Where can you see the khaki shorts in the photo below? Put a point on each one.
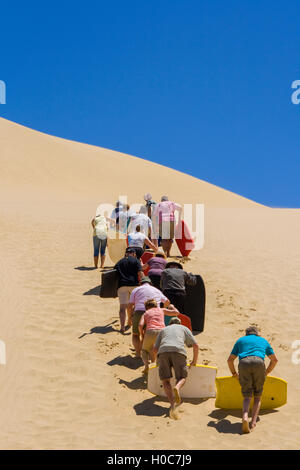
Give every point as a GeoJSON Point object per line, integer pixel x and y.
{"type": "Point", "coordinates": [252, 376]}
{"type": "Point", "coordinates": [124, 293]}
{"type": "Point", "coordinates": [167, 360]}
{"type": "Point", "coordinates": [137, 315]}
{"type": "Point", "coordinates": [149, 339]}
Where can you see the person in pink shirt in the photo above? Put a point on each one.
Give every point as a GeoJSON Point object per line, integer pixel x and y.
{"type": "Point", "coordinates": [136, 308]}
{"type": "Point", "coordinates": [151, 323]}
{"type": "Point", "coordinates": [164, 214]}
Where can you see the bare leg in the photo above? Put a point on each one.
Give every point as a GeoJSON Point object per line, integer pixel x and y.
{"type": "Point", "coordinates": [152, 355]}
{"type": "Point", "coordinates": [245, 419]}
{"type": "Point", "coordinates": [96, 261]}
{"type": "Point", "coordinates": [177, 388]}
{"type": "Point", "coordinates": [166, 245]}
{"type": "Point", "coordinates": [169, 392]}
{"type": "Point", "coordinates": [102, 261]}
{"type": "Point", "coordinates": [122, 314]}
{"type": "Point", "coordinates": [145, 357]}
{"type": "Point", "coordinates": [255, 411]}
{"type": "Point", "coordinates": [137, 344]}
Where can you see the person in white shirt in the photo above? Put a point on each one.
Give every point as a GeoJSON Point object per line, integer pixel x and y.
{"type": "Point", "coordinates": [142, 220]}
{"type": "Point", "coordinates": [125, 216]}
{"type": "Point", "coordinates": [137, 241]}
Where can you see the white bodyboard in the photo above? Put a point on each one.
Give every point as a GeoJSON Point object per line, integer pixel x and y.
{"type": "Point", "coordinates": [116, 244]}
{"type": "Point", "coordinates": [200, 382]}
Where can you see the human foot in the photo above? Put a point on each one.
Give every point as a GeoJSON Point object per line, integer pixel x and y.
{"type": "Point", "coordinates": [245, 427]}
{"type": "Point", "coordinates": [177, 396]}
{"type": "Point", "coordinates": [173, 414]}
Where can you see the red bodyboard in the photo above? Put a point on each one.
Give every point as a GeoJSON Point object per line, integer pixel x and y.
{"type": "Point", "coordinates": [185, 320]}
{"type": "Point", "coordinates": [145, 257]}
{"type": "Point", "coordinates": [184, 238]}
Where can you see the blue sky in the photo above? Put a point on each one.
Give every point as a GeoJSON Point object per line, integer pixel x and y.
{"type": "Point", "coordinates": [200, 86]}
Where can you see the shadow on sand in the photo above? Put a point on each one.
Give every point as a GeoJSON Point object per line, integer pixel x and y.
{"type": "Point", "coordinates": [93, 291]}
{"type": "Point", "coordinates": [127, 361]}
{"type": "Point", "coordinates": [225, 426]}
{"type": "Point", "coordinates": [85, 268]}
{"type": "Point", "coordinates": [139, 383]}
{"type": "Point", "coordinates": [150, 407]}
{"type": "Point", "coordinates": [101, 330]}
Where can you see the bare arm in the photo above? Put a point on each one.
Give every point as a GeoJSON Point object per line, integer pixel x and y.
{"type": "Point", "coordinates": [93, 223]}
{"type": "Point", "coordinates": [130, 309]}
{"type": "Point", "coordinates": [273, 362]}
{"type": "Point", "coordinates": [195, 355]}
{"type": "Point", "coordinates": [149, 243]}
{"type": "Point", "coordinates": [141, 326]}
{"type": "Point", "coordinates": [112, 221]}
{"type": "Point", "coordinates": [230, 362]}
{"type": "Point", "coordinates": [171, 311]}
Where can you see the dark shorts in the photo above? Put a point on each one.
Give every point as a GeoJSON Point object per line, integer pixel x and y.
{"type": "Point", "coordinates": [252, 376]}
{"type": "Point", "coordinates": [166, 361]}
{"type": "Point", "coordinates": [176, 297]}
{"type": "Point", "coordinates": [155, 279]}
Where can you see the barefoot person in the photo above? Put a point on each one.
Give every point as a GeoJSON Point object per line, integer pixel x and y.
{"type": "Point", "coordinates": [130, 273]}
{"type": "Point", "coordinates": [137, 240]}
{"type": "Point", "coordinates": [100, 227]}
{"type": "Point", "coordinates": [151, 323]}
{"type": "Point", "coordinates": [173, 282]}
{"type": "Point", "coordinates": [170, 349]}
{"type": "Point", "coordinates": [136, 308]}
{"type": "Point", "coordinates": [251, 350]}
{"type": "Point", "coordinates": [164, 213]}
{"type": "Point", "coordinates": [156, 265]}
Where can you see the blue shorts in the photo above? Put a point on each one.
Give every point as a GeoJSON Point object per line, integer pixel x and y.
{"type": "Point", "coordinates": [99, 245]}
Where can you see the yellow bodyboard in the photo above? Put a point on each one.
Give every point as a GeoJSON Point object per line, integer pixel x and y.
{"type": "Point", "coordinates": [229, 393]}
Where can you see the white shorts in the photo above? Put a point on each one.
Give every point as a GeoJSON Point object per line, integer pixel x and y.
{"type": "Point", "coordinates": [124, 293]}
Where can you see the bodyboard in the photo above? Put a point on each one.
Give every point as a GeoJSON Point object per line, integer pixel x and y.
{"type": "Point", "coordinates": [145, 257]}
{"type": "Point", "coordinates": [229, 395]}
{"type": "Point", "coordinates": [109, 284]}
{"type": "Point", "coordinates": [116, 245]}
{"type": "Point", "coordinates": [194, 306]}
{"type": "Point", "coordinates": [185, 320]}
{"type": "Point", "coordinates": [184, 238]}
{"type": "Point", "coordinates": [200, 382]}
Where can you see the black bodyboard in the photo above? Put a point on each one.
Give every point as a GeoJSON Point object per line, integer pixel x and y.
{"type": "Point", "coordinates": [109, 284]}
{"type": "Point", "coordinates": [194, 306]}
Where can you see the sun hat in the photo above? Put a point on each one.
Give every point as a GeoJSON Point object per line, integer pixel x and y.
{"type": "Point", "coordinates": [130, 249]}
{"type": "Point", "coordinates": [160, 252]}
{"type": "Point", "coordinates": [171, 263]}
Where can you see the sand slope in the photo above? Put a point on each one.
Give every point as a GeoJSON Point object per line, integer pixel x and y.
{"type": "Point", "coordinates": [71, 381]}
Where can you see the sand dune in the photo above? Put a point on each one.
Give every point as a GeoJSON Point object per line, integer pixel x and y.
{"type": "Point", "coordinates": [71, 381]}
